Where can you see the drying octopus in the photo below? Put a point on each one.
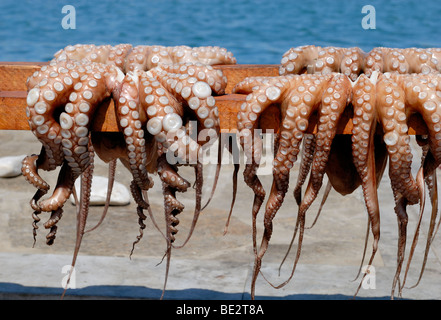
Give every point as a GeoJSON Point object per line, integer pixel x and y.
{"type": "Point", "coordinates": [166, 117]}
{"type": "Point", "coordinates": [354, 61]}
{"type": "Point", "coordinates": [382, 103]}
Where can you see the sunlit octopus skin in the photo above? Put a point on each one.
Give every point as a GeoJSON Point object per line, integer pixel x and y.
{"type": "Point", "coordinates": [143, 57]}
{"type": "Point", "coordinates": [354, 61]}
{"type": "Point", "coordinates": [190, 85]}
{"type": "Point", "coordinates": [62, 99]}
{"type": "Point", "coordinates": [149, 57]}
{"type": "Point", "coordinates": [403, 61]}
{"type": "Point", "coordinates": [128, 58]}
{"type": "Point", "coordinates": [155, 101]}
{"type": "Point", "coordinates": [298, 97]}
{"type": "Point", "coordinates": [107, 54]}
{"type": "Point", "coordinates": [323, 60]}
{"type": "Point", "coordinates": [134, 60]}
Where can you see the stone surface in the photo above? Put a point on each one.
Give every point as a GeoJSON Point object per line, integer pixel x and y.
{"type": "Point", "coordinates": [10, 166]}
{"type": "Point", "coordinates": [120, 193]}
{"type": "Point", "coordinates": [211, 265]}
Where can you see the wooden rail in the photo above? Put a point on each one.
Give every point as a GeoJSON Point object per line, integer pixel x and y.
{"type": "Point", "coordinates": [13, 94]}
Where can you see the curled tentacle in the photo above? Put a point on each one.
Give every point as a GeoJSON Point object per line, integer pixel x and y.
{"type": "Point", "coordinates": [141, 205]}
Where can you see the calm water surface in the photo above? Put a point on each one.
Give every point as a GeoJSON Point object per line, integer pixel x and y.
{"type": "Point", "coordinates": [255, 31]}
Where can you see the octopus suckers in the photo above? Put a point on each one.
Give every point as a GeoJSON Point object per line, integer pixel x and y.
{"type": "Point", "coordinates": [273, 93]}
{"type": "Point", "coordinates": [172, 122]}
{"type": "Point", "coordinates": [84, 107]}
{"type": "Point", "coordinates": [154, 126]}
{"type": "Point", "coordinates": [87, 94]}
{"type": "Point", "coordinates": [65, 121]}
{"type": "Point", "coordinates": [81, 131]}
{"type": "Point", "coordinates": [40, 107]}
{"type": "Point", "coordinates": [82, 119]}
{"type": "Point", "coordinates": [38, 120]}
{"type": "Point", "coordinates": [391, 138]}
{"type": "Point", "coordinates": [201, 90]}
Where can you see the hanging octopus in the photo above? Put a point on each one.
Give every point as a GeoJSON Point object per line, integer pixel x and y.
{"type": "Point", "coordinates": [61, 101]}
{"type": "Point", "coordinates": [167, 113]}
{"type": "Point", "coordinates": [387, 99]}
{"type": "Point", "coordinates": [298, 97]}
{"type": "Point", "coordinates": [163, 101]}
{"type": "Point", "coordinates": [401, 61]}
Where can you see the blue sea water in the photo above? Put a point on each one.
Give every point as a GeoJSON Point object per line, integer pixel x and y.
{"type": "Point", "coordinates": [258, 31]}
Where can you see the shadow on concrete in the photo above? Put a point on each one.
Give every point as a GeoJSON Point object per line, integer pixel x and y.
{"type": "Point", "coordinates": [17, 291]}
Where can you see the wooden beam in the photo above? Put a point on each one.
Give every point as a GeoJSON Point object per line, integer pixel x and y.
{"type": "Point", "coordinates": [13, 77]}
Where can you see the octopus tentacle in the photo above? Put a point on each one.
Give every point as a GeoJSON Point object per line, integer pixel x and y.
{"type": "Point", "coordinates": [391, 106]}
{"type": "Point", "coordinates": [106, 54]}
{"type": "Point", "coordinates": [257, 101]}
{"type": "Point", "coordinates": [63, 133]}
{"type": "Point", "coordinates": [363, 149]}
{"type": "Point", "coordinates": [233, 149]}
{"type": "Point", "coordinates": [334, 100]}
{"type": "Point", "coordinates": [111, 181]}
{"type": "Point", "coordinates": [62, 191]}
{"type": "Point", "coordinates": [309, 142]}
{"type": "Point", "coordinates": [130, 120]}
{"type": "Point", "coordinates": [53, 125]}
{"type": "Point", "coordinates": [431, 182]}
{"type": "Point", "coordinates": [86, 184]}
{"type": "Point", "coordinates": [141, 205]}
{"type": "Point", "coordinates": [325, 197]}
{"type": "Point", "coordinates": [165, 123]}
{"type": "Point", "coordinates": [403, 61]}
{"type": "Point", "coordinates": [172, 208]}
{"type": "Point", "coordinates": [30, 173]}
{"type": "Point", "coordinates": [296, 105]}
{"type": "Point", "coordinates": [353, 61]}
{"type": "Point", "coordinates": [194, 85]}
{"type": "Point", "coordinates": [322, 203]}
{"type": "Point", "coordinates": [149, 57]}
{"type": "Point", "coordinates": [198, 203]}
{"type": "Point", "coordinates": [323, 60]}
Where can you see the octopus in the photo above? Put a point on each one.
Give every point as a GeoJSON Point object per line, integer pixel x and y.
{"type": "Point", "coordinates": [353, 61]}
{"type": "Point", "coordinates": [143, 57]}
{"type": "Point", "coordinates": [382, 104]}
{"type": "Point", "coordinates": [166, 117]}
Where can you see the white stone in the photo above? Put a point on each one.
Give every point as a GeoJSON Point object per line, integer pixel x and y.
{"type": "Point", "coordinates": [11, 166]}
{"type": "Point", "coordinates": [120, 193]}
